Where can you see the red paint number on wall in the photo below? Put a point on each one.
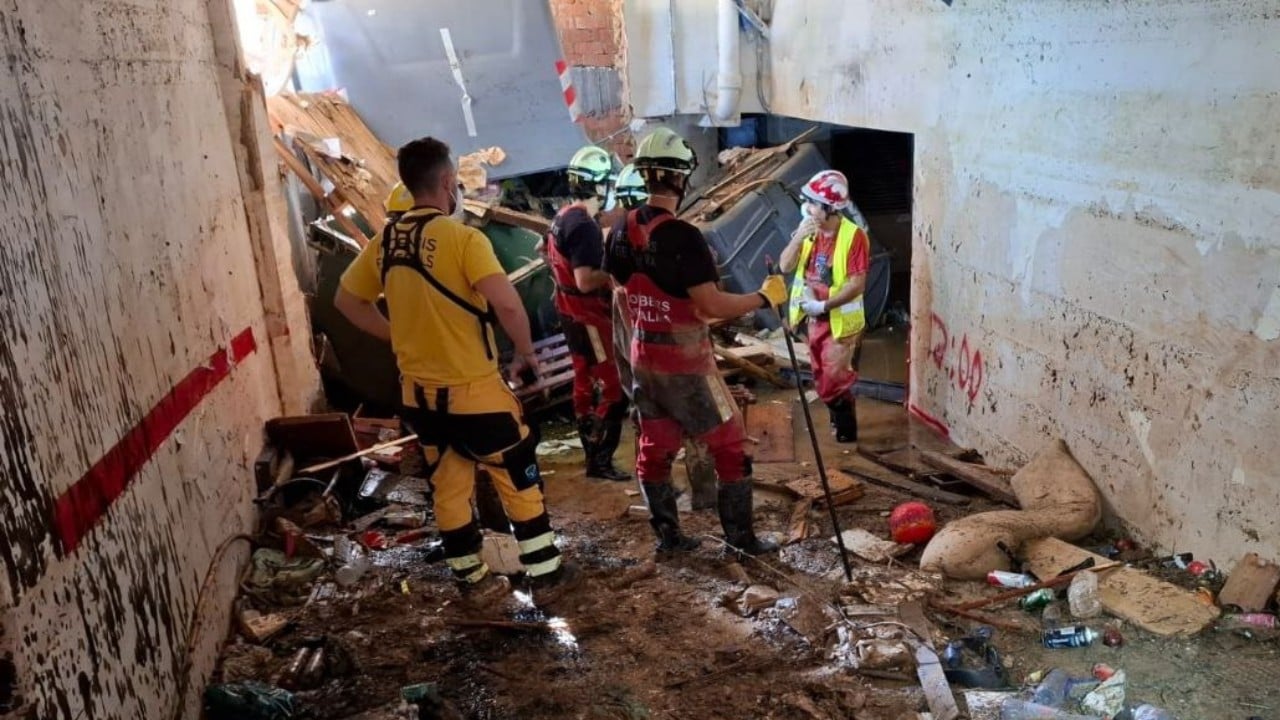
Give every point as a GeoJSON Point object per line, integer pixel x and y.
{"type": "Point", "coordinates": [962, 366]}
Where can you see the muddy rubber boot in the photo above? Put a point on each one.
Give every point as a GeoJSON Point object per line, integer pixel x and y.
{"type": "Point", "coordinates": [610, 435]}
{"type": "Point", "coordinates": [736, 503]}
{"type": "Point", "coordinates": [589, 433]}
{"type": "Point", "coordinates": [490, 595]}
{"type": "Point", "coordinates": [665, 519]}
{"type": "Point", "coordinates": [551, 591]}
{"type": "Point", "coordinates": [845, 420]}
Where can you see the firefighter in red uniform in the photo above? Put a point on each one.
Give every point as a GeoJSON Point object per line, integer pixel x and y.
{"type": "Point", "coordinates": [830, 255]}
{"type": "Point", "coordinates": [670, 278]}
{"type": "Point", "coordinates": [575, 252]}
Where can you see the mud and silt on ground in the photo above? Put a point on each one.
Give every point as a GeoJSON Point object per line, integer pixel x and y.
{"type": "Point", "coordinates": [673, 644]}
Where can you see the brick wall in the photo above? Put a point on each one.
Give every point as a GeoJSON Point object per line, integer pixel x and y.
{"type": "Point", "coordinates": [589, 35]}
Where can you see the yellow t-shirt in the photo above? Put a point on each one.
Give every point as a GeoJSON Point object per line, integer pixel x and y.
{"type": "Point", "coordinates": [436, 342]}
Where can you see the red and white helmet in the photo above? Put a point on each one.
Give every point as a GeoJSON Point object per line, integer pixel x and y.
{"type": "Point", "coordinates": [830, 188]}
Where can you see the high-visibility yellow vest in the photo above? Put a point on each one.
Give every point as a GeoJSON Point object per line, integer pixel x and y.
{"type": "Point", "coordinates": [848, 319]}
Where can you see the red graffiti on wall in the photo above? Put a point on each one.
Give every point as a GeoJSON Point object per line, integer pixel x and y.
{"type": "Point", "coordinates": [962, 366]}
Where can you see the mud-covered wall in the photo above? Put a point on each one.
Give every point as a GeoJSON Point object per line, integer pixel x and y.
{"type": "Point", "coordinates": [136, 363]}
{"type": "Point", "coordinates": [1097, 254]}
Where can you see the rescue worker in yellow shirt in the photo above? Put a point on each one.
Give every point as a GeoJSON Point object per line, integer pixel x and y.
{"type": "Point", "coordinates": [445, 291]}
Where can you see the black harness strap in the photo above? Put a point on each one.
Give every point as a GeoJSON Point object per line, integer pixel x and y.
{"type": "Point", "coordinates": [403, 248]}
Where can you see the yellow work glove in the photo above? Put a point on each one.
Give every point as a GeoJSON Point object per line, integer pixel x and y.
{"type": "Point", "coordinates": [773, 290]}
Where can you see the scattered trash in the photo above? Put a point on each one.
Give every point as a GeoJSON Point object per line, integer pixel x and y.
{"type": "Point", "coordinates": [1261, 620]}
{"type": "Point", "coordinates": [881, 655]}
{"type": "Point", "coordinates": [985, 704]}
{"type": "Point", "coordinates": [404, 518]}
{"type": "Point", "coordinates": [1108, 698]}
{"type": "Point", "coordinates": [1072, 636]}
{"type": "Point", "coordinates": [1111, 637]}
{"type": "Point", "coordinates": [1103, 672]}
{"type": "Point", "coordinates": [428, 701]}
{"type": "Point", "coordinates": [754, 599]}
{"type": "Point", "coordinates": [912, 523]}
{"type": "Point", "coordinates": [871, 548]}
{"type": "Point", "coordinates": [1177, 560]}
{"type": "Point", "coordinates": [1000, 578]}
{"type": "Point", "coordinates": [1016, 709]}
{"type": "Point", "coordinates": [1198, 567]}
{"type": "Point", "coordinates": [1151, 712]}
{"type": "Point", "coordinates": [260, 628]}
{"type": "Point", "coordinates": [355, 562]}
{"type": "Point", "coordinates": [248, 700]}
{"type": "Point", "coordinates": [1082, 596]}
{"type": "Point", "coordinates": [547, 448]}
{"type": "Point", "coordinates": [1036, 600]}
{"type": "Point", "coordinates": [243, 661]}
{"type": "Point", "coordinates": [1205, 595]}
{"type": "Point", "coordinates": [1051, 617]}
{"type": "Point", "coordinates": [295, 541]}
{"type": "Point", "coordinates": [279, 579]}
{"type": "Point", "coordinates": [374, 540]}
{"type": "Point", "coordinates": [1052, 690]}
{"type": "Point", "coordinates": [987, 671]}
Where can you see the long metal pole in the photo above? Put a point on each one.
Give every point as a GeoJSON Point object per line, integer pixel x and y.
{"type": "Point", "coordinates": [813, 438]}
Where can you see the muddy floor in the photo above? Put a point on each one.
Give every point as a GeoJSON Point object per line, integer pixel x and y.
{"type": "Point", "coordinates": [673, 644]}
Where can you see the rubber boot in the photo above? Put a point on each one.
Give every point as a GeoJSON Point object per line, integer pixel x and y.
{"type": "Point", "coordinates": [490, 595]}
{"type": "Point", "coordinates": [736, 502]}
{"type": "Point", "coordinates": [551, 592]}
{"type": "Point", "coordinates": [845, 420]}
{"type": "Point", "coordinates": [665, 519]}
{"type": "Point", "coordinates": [600, 465]}
{"type": "Point", "coordinates": [589, 433]}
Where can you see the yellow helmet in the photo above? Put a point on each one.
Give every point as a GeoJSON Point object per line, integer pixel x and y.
{"type": "Point", "coordinates": [399, 200]}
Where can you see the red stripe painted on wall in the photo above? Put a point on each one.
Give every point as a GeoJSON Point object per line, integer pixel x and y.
{"type": "Point", "coordinates": [78, 509]}
{"type": "Point", "coordinates": [934, 423]}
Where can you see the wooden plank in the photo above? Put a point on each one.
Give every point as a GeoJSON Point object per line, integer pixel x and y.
{"type": "Point", "coordinates": [355, 455]}
{"type": "Point", "coordinates": [526, 271]}
{"type": "Point", "coordinates": [993, 486]}
{"type": "Point", "coordinates": [933, 680]}
{"type": "Point", "coordinates": [798, 525]}
{"type": "Point", "coordinates": [770, 425]}
{"type": "Point", "coordinates": [1151, 604]}
{"type": "Point", "coordinates": [751, 369]}
{"type": "Point", "coordinates": [313, 186]}
{"type": "Point", "coordinates": [883, 476]}
{"type": "Point", "coordinates": [903, 460]}
{"type": "Point", "coordinates": [312, 436]}
{"type": "Point", "coordinates": [1251, 584]}
{"type": "Point", "coordinates": [844, 489]}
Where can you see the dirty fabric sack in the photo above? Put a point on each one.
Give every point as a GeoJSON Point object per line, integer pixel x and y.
{"type": "Point", "coordinates": [1058, 499]}
{"type": "Point", "coordinates": [281, 580]}
{"type": "Point", "coordinates": [248, 701]}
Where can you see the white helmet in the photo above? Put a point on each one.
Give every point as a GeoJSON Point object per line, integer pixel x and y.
{"type": "Point", "coordinates": [829, 188]}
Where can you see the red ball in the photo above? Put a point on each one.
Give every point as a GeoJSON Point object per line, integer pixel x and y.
{"type": "Point", "coordinates": [911, 523]}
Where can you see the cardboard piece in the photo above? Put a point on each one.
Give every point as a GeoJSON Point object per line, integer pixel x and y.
{"type": "Point", "coordinates": [771, 426]}
{"type": "Point", "coordinates": [1130, 594]}
{"type": "Point", "coordinates": [1251, 584]}
{"type": "Point", "coordinates": [871, 548]}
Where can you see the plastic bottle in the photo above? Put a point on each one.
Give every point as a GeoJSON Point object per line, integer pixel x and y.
{"type": "Point", "coordinates": [1051, 618]}
{"type": "Point", "coordinates": [1052, 691]}
{"type": "Point", "coordinates": [1082, 596]}
{"type": "Point", "coordinates": [355, 562]}
{"type": "Point", "coordinates": [1071, 636]}
{"type": "Point", "coordinates": [1151, 712]}
{"type": "Point", "coordinates": [1015, 709]}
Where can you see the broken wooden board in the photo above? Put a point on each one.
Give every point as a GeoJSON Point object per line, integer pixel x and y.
{"type": "Point", "coordinates": [365, 170]}
{"type": "Point", "coordinates": [798, 525]}
{"type": "Point", "coordinates": [883, 476]}
{"type": "Point", "coordinates": [844, 489]}
{"type": "Point", "coordinates": [871, 548]}
{"type": "Point", "coordinates": [903, 460]}
{"type": "Point", "coordinates": [1251, 584]}
{"type": "Point", "coordinates": [314, 436]}
{"type": "Point", "coordinates": [749, 368]}
{"type": "Point", "coordinates": [988, 483]}
{"type": "Point", "coordinates": [1130, 594]}
{"type": "Point", "coordinates": [770, 425]}
{"type": "Point", "coordinates": [933, 680]}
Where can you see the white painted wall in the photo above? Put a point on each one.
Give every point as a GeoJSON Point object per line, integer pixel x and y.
{"type": "Point", "coordinates": [1095, 229]}
{"type": "Point", "coordinates": [128, 259]}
